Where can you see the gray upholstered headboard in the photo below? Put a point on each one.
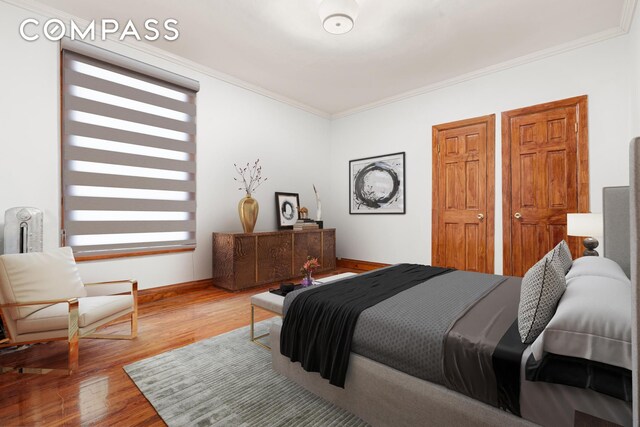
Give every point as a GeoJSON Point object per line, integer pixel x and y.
{"type": "Point", "coordinates": [634, 179]}
{"type": "Point", "coordinates": [615, 211]}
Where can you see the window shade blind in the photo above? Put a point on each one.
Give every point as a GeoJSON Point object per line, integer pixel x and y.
{"type": "Point", "coordinates": [128, 159]}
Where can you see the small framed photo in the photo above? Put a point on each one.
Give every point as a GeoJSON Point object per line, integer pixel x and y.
{"type": "Point", "coordinates": [377, 185]}
{"type": "Point", "coordinates": [287, 205]}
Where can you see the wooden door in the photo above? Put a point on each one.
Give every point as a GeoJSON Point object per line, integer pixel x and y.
{"type": "Point", "coordinates": [544, 156]}
{"type": "Point", "coordinates": [463, 194]}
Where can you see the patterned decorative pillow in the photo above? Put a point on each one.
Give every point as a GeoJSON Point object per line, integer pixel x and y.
{"type": "Point", "coordinates": [562, 253]}
{"type": "Point", "coordinates": [542, 287]}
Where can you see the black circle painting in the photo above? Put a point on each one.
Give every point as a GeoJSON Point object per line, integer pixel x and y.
{"type": "Point", "coordinates": [377, 184]}
{"type": "Point", "coordinates": [287, 210]}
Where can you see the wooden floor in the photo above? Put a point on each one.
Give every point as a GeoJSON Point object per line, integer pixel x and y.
{"type": "Point", "coordinates": [101, 393]}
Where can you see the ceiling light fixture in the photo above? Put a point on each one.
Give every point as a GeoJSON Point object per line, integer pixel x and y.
{"type": "Point", "coordinates": [338, 16]}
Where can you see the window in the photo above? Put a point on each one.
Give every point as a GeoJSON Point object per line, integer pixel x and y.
{"type": "Point", "coordinates": [128, 156]}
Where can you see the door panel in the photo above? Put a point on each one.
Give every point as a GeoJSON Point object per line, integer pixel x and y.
{"type": "Point", "coordinates": [540, 177]}
{"type": "Point", "coordinates": [472, 247]}
{"type": "Point", "coordinates": [556, 166]}
{"type": "Point", "coordinates": [453, 249]}
{"type": "Point", "coordinates": [472, 185]}
{"type": "Point", "coordinates": [463, 175]}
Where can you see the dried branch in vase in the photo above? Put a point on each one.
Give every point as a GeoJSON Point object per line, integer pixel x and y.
{"type": "Point", "coordinates": [250, 177]}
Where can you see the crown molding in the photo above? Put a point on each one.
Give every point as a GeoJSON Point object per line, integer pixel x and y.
{"type": "Point", "coordinates": [49, 12]}
{"type": "Point", "coordinates": [628, 9]}
{"type": "Point", "coordinates": [626, 19]}
{"type": "Point", "coordinates": [536, 56]}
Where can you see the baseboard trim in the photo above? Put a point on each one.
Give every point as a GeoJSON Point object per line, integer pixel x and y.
{"type": "Point", "coordinates": [146, 296]}
{"type": "Point", "coordinates": [155, 294]}
{"type": "Point", "coordinates": [359, 264]}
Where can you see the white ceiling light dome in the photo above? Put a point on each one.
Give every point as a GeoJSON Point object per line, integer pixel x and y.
{"type": "Point", "coordinates": [338, 16]}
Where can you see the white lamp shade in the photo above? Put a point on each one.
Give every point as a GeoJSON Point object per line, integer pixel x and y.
{"type": "Point", "coordinates": [338, 16]}
{"type": "Point", "coordinates": [584, 224]}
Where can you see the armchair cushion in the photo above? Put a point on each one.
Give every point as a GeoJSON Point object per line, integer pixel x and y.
{"type": "Point", "coordinates": [39, 276]}
{"type": "Point", "coordinates": [91, 310]}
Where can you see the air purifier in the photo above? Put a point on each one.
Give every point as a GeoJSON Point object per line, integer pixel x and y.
{"type": "Point", "coordinates": [22, 230]}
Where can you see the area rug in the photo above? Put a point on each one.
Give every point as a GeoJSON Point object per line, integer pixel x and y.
{"type": "Point", "coordinates": [228, 381]}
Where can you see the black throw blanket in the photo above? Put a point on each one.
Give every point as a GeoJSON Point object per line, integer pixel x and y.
{"type": "Point", "coordinates": [319, 325]}
{"type": "Point", "coordinates": [506, 364]}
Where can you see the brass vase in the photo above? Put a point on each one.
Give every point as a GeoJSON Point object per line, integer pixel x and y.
{"type": "Point", "coordinates": [248, 210]}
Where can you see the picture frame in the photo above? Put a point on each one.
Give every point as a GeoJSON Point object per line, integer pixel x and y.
{"type": "Point", "coordinates": [377, 185]}
{"type": "Point", "coordinates": [287, 209]}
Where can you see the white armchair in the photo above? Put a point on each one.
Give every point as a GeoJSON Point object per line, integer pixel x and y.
{"type": "Point", "coordinates": [42, 298]}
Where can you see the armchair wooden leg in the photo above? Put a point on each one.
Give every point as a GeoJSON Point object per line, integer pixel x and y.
{"type": "Point", "coordinates": [72, 339]}
{"type": "Point", "coordinates": [133, 334]}
{"type": "Point", "coordinates": [134, 324]}
{"type": "Point", "coordinates": [73, 355]}
{"type": "Point", "coordinates": [134, 320]}
{"type": "Point", "coordinates": [74, 336]}
{"type": "Point", "coordinates": [72, 364]}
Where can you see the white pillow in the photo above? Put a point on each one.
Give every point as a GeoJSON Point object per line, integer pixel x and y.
{"type": "Point", "coordinates": [542, 287]}
{"type": "Point", "coordinates": [592, 321]}
{"type": "Point", "coordinates": [596, 266]}
{"type": "Point", "coordinates": [562, 254]}
{"type": "Point", "coordinates": [39, 276]}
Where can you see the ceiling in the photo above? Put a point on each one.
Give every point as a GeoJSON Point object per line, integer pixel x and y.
{"type": "Point", "coordinates": [395, 48]}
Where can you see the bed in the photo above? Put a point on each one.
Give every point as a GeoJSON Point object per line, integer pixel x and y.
{"type": "Point", "coordinates": [407, 394]}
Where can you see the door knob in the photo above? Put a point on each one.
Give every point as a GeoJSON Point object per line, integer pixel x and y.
{"type": "Point", "coordinates": [480, 216]}
{"type": "Point", "coordinates": [517, 215]}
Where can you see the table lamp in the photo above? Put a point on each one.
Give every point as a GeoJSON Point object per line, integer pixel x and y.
{"type": "Point", "coordinates": [586, 224]}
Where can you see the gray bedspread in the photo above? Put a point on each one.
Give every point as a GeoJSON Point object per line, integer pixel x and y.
{"type": "Point", "coordinates": [407, 331]}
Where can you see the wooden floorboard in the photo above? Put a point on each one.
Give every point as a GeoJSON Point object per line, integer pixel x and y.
{"type": "Point", "coordinates": [101, 393]}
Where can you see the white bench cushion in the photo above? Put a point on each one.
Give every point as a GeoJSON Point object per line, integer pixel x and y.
{"type": "Point", "coordinates": [274, 303]}
{"type": "Point", "coordinates": [268, 301]}
{"type": "Point", "coordinates": [91, 310]}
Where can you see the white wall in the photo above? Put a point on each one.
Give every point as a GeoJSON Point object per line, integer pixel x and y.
{"type": "Point", "coordinates": [601, 71]}
{"type": "Point", "coordinates": [234, 125]}
{"type": "Point", "coordinates": [634, 49]}
{"type": "Point", "coordinates": [298, 148]}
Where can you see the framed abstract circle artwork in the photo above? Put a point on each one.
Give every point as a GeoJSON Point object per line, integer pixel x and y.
{"type": "Point", "coordinates": [377, 185]}
{"type": "Point", "coordinates": [287, 205]}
